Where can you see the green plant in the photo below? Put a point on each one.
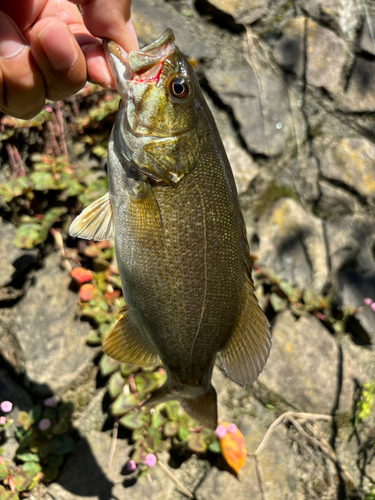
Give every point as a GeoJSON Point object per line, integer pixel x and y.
{"type": "Point", "coordinates": [366, 401]}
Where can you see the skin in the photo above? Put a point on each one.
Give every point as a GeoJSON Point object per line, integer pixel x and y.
{"type": "Point", "coordinates": [48, 49]}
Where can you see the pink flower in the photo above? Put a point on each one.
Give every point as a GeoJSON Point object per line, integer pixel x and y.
{"type": "Point", "coordinates": [232, 428]}
{"type": "Point", "coordinates": [51, 402]}
{"type": "Point", "coordinates": [373, 306]}
{"type": "Point", "coordinates": [221, 430]}
{"type": "Point", "coordinates": [131, 465]}
{"type": "Point", "coordinates": [44, 424]}
{"type": "Point", "coordinates": [150, 460]}
{"type": "Point", "coordinates": [368, 302]}
{"type": "Point", "coordinates": [3, 420]}
{"type": "Point", "coordinates": [6, 406]}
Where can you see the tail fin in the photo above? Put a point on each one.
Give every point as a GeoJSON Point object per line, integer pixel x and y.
{"type": "Point", "coordinates": [202, 408]}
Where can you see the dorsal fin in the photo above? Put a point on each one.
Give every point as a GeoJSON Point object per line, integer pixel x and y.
{"type": "Point", "coordinates": [95, 222]}
{"type": "Point", "coordinates": [246, 352]}
{"type": "Point", "coordinates": [126, 343]}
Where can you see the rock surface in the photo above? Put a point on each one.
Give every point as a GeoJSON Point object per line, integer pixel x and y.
{"type": "Point", "coordinates": [51, 338]}
{"type": "Point", "coordinates": [360, 95]}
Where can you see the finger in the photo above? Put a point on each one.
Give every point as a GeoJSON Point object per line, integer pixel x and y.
{"type": "Point", "coordinates": [59, 58]}
{"type": "Point", "coordinates": [110, 20]}
{"type": "Point", "coordinates": [22, 91]}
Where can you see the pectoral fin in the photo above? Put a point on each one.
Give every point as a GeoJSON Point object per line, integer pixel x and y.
{"type": "Point", "coordinates": [128, 344]}
{"type": "Point", "coordinates": [246, 352]}
{"type": "Point", "coordinates": [95, 222]}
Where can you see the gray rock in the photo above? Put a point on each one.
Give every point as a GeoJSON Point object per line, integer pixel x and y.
{"type": "Point", "coordinates": [335, 201]}
{"type": "Point", "coordinates": [290, 49]}
{"type": "Point", "coordinates": [151, 21]}
{"type": "Point", "coordinates": [292, 244]}
{"type": "Point", "coordinates": [326, 56]}
{"type": "Point", "coordinates": [351, 161]}
{"type": "Point", "coordinates": [342, 15]}
{"type": "Point", "coordinates": [52, 340]}
{"type": "Point", "coordinates": [278, 468]}
{"type": "Point", "coordinates": [87, 475]}
{"type": "Point", "coordinates": [93, 418]}
{"type": "Point", "coordinates": [14, 262]}
{"type": "Point", "coordinates": [367, 36]}
{"type": "Point", "coordinates": [303, 364]}
{"type": "Point", "coordinates": [264, 121]}
{"type": "Point", "coordinates": [353, 288]}
{"type": "Point", "coordinates": [242, 11]}
{"type": "Point", "coordinates": [243, 166]}
{"type": "Point", "coordinates": [360, 95]}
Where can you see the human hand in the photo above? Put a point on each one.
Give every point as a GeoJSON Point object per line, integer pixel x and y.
{"type": "Point", "coordinates": [48, 49]}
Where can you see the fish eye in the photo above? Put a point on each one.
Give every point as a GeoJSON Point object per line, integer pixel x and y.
{"type": "Point", "coordinates": [179, 88]}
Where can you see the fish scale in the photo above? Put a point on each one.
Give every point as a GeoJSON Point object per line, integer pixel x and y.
{"type": "Point", "coordinates": [179, 233]}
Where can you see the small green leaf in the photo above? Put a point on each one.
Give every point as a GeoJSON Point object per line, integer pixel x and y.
{"type": "Point", "coordinates": [21, 481]}
{"type": "Point", "coordinates": [8, 495]}
{"type": "Point", "coordinates": [35, 413]}
{"type": "Point", "coordinates": [170, 428]}
{"type": "Point", "coordinates": [3, 471]}
{"type": "Point", "coordinates": [50, 473]}
{"type": "Point", "coordinates": [93, 338]}
{"type": "Point", "coordinates": [157, 419]}
{"type": "Point", "coordinates": [108, 365]}
{"type": "Point", "coordinates": [62, 444]}
{"type": "Point", "coordinates": [31, 468]}
{"type": "Point", "coordinates": [183, 433]}
{"type": "Point", "coordinates": [28, 457]}
{"type": "Point", "coordinates": [172, 408]}
{"type": "Point", "coordinates": [126, 369]}
{"type": "Point", "coordinates": [196, 443]}
{"type": "Point", "coordinates": [134, 420]}
{"type": "Point", "coordinates": [115, 384]}
{"type": "Point", "coordinates": [23, 418]}
{"type": "Point", "coordinates": [277, 302]}
{"type": "Point", "coordinates": [123, 403]}
{"type": "Point", "coordinates": [55, 460]}
{"type": "Point", "coordinates": [214, 447]}
{"type": "Point", "coordinates": [146, 383]}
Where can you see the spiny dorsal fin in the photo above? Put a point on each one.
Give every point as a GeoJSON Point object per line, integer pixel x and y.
{"type": "Point", "coordinates": [246, 352]}
{"type": "Point", "coordinates": [127, 344]}
{"type": "Point", "coordinates": [95, 222]}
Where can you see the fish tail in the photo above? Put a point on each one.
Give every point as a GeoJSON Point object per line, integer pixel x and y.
{"type": "Point", "coordinates": [202, 408]}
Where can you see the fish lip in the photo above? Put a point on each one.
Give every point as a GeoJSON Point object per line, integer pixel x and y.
{"type": "Point", "coordinates": [140, 66]}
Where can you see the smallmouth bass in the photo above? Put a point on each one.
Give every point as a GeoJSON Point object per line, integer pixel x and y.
{"type": "Point", "coordinates": [180, 237]}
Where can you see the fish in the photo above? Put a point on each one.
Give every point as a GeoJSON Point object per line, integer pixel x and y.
{"type": "Point", "coordinates": [180, 236]}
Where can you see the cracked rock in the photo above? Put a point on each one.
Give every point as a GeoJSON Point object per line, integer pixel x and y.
{"type": "Point", "coordinates": [367, 43]}
{"type": "Point", "coordinates": [243, 166]}
{"type": "Point", "coordinates": [260, 106]}
{"type": "Point", "coordinates": [360, 95]}
{"type": "Point", "coordinates": [292, 244]}
{"type": "Point", "coordinates": [326, 56]}
{"type": "Point", "coordinates": [51, 338]}
{"type": "Point", "coordinates": [241, 11]}
{"type": "Point", "coordinates": [351, 161]}
{"type": "Point", "coordinates": [290, 49]}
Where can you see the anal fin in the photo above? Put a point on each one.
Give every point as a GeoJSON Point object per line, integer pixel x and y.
{"type": "Point", "coordinates": [95, 222]}
{"type": "Point", "coordinates": [246, 352]}
{"type": "Point", "coordinates": [128, 345]}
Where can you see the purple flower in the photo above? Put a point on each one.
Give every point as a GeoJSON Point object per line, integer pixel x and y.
{"type": "Point", "coordinates": [131, 465]}
{"type": "Point", "coordinates": [3, 420]}
{"type": "Point", "coordinates": [373, 306]}
{"type": "Point", "coordinates": [232, 428]}
{"type": "Point", "coordinates": [221, 430]}
{"type": "Point", "coordinates": [368, 302]}
{"type": "Point", "coordinates": [51, 402]}
{"type": "Point", "coordinates": [6, 406]}
{"type": "Point", "coordinates": [44, 424]}
{"type": "Point", "coordinates": [150, 460]}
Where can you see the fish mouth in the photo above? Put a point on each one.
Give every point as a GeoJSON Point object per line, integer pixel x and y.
{"type": "Point", "coordinates": [140, 66]}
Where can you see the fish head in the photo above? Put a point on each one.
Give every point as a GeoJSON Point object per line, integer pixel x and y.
{"type": "Point", "coordinates": [160, 119]}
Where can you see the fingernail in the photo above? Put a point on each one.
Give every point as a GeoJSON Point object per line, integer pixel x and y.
{"type": "Point", "coordinates": [11, 43]}
{"type": "Point", "coordinates": [58, 46]}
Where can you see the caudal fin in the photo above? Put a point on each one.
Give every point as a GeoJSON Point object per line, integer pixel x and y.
{"type": "Point", "coordinates": [202, 408]}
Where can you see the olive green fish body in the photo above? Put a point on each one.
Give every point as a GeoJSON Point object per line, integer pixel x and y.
{"type": "Point", "coordinates": [179, 234]}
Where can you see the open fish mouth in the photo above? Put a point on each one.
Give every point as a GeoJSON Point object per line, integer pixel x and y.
{"type": "Point", "coordinates": [140, 66]}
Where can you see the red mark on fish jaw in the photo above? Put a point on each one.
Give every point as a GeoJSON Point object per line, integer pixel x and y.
{"type": "Point", "coordinates": [144, 78]}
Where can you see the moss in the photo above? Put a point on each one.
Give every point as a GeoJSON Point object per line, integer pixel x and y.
{"type": "Point", "coordinates": [273, 192]}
